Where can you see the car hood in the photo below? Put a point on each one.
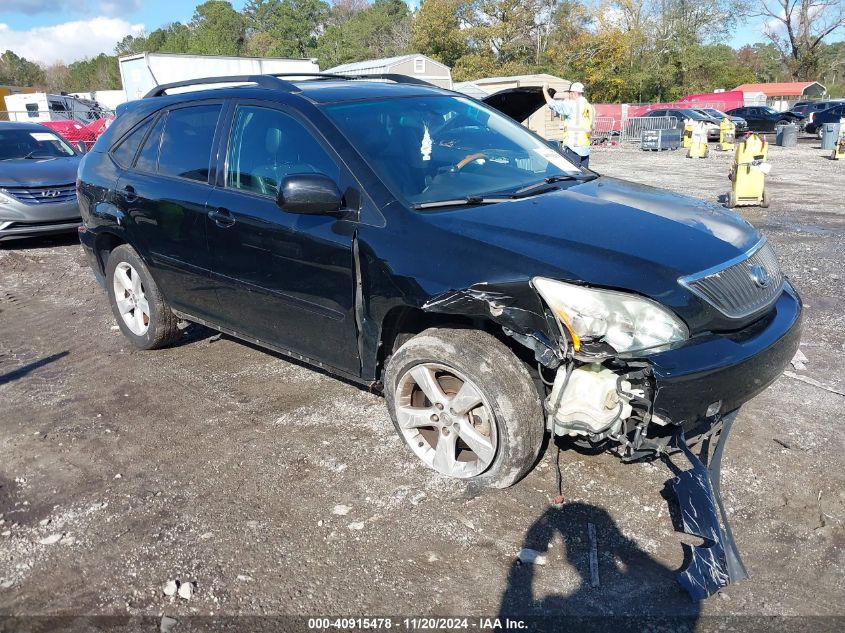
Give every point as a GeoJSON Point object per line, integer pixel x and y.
{"type": "Point", "coordinates": [609, 233]}
{"type": "Point", "coordinates": [518, 103]}
{"type": "Point", "coordinates": [38, 172]}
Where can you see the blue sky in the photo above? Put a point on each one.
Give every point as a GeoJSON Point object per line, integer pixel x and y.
{"type": "Point", "coordinates": [49, 30]}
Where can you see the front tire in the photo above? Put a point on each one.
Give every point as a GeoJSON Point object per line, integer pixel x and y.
{"type": "Point", "coordinates": [465, 405]}
{"type": "Point", "coordinates": [141, 311]}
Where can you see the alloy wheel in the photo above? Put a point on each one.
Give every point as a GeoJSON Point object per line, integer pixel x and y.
{"type": "Point", "coordinates": [446, 420]}
{"type": "Point", "coordinates": [131, 300]}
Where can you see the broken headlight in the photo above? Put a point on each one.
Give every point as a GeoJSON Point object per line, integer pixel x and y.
{"type": "Point", "coordinates": [626, 322]}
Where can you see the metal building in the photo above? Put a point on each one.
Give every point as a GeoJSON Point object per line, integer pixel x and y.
{"type": "Point", "coordinates": [414, 65]}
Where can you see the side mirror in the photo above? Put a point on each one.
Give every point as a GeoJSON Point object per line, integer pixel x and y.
{"type": "Point", "coordinates": [81, 147]}
{"type": "Point", "coordinates": [311, 194]}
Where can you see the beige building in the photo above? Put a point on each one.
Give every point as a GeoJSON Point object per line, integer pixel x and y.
{"type": "Point", "coordinates": [543, 122]}
{"type": "Point", "coordinates": [415, 65]}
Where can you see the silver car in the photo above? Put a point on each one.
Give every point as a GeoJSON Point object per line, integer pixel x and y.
{"type": "Point", "coordinates": [37, 181]}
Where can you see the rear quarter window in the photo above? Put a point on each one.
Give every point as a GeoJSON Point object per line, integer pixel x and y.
{"type": "Point", "coordinates": [124, 152]}
{"type": "Point", "coordinates": [148, 156]}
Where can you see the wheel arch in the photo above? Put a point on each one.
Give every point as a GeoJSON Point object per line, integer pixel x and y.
{"type": "Point", "coordinates": [511, 312]}
{"type": "Point", "coordinates": [104, 243]}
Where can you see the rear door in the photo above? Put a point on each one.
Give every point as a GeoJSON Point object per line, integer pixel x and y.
{"type": "Point", "coordinates": [284, 279]}
{"type": "Point", "coordinates": [164, 195]}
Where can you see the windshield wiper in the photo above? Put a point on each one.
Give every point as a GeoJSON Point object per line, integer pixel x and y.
{"type": "Point", "coordinates": [460, 202]}
{"type": "Point", "coordinates": [540, 187]}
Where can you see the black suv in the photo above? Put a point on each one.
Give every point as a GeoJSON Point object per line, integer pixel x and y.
{"type": "Point", "coordinates": [421, 242]}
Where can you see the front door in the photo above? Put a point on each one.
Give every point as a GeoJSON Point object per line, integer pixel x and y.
{"type": "Point", "coordinates": [164, 194]}
{"type": "Point", "coordinates": [282, 278]}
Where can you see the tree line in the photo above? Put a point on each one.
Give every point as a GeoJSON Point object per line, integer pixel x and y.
{"type": "Point", "coordinates": [623, 50]}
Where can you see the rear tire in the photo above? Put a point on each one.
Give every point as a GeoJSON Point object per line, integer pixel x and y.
{"type": "Point", "coordinates": [505, 420]}
{"type": "Point", "coordinates": [765, 200]}
{"type": "Point", "coordinates": [141, 311]}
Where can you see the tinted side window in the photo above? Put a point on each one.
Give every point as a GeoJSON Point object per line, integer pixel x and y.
{"type": "Point", "coordinates": [266, 145]}
{"type": "Point", "coordinates": [148, 158]}
{"type": "Point", "coordinates": [125, 152]}
{"type": "Point", "coordinates": [186, 142]}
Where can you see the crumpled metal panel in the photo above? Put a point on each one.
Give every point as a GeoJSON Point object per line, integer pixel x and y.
{"type": "Point", "coordinates": [716, 563]}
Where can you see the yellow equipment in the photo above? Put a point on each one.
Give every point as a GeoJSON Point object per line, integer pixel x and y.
{"type": "Point", "coordinates": [689, 126]}
{"type": "Point", "coordinates": [748, 173]}
{"type": "Point", "coordinates": [839, 150]}
{"type": "Point", "coordinates": [698, 147]}
{"type": "Point", "coordinates": [727, 135]}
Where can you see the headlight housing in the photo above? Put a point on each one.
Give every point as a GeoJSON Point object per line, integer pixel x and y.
{"type": "Point", "coordinates": [626, 322]}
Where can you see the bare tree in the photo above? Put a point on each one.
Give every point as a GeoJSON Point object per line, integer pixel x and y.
{"type": "Point", "coordinates": [798, 27]}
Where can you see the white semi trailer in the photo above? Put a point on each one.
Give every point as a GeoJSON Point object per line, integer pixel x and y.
{"type": "Point", "coordinates": [142, 72]}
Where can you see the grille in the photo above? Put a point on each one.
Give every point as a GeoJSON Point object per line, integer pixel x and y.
{"type": "Point", "coordinates": [42, 195]}
{"type": "Point", "coordinates": [743, 287]}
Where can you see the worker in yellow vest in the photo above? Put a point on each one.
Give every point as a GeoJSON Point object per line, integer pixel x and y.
{"type": "Point", "coordinates": [577, 115]}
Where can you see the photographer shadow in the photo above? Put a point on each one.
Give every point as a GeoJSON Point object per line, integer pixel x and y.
{"type": "Point", "coordinates": [633, 587]}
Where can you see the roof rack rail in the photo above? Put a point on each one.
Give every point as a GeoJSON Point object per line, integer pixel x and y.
{"type": "Point", "coordinates": [394, 77]}
{"type": "Point", "coordinates": [274, 81]}
{"type": "Point", "coordinates": [265, 81]}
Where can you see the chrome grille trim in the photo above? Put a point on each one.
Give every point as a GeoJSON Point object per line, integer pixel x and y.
{"type": "Point", "coordinates": [731, 288]}
{"type": "Point", "coordinates": [35, 195]}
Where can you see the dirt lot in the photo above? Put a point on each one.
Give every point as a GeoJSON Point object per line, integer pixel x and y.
{"type": "Point", "coordinates": [280, 490]}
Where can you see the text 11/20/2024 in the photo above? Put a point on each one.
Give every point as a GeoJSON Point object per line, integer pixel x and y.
{"type": "Point", "coordinates": [416, 624]}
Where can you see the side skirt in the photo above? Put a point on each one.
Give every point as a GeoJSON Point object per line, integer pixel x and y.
{"type": "Point", "coordinates": [285, 352]}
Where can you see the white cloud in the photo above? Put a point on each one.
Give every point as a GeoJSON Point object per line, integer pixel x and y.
{"type": "Point", "coordinates": [81, 7]}
{"type": "Point", "coordinates": [68, 42]}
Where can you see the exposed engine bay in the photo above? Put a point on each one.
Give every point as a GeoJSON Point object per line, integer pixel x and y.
{"type": "Point", "coordinates": [607, 403]}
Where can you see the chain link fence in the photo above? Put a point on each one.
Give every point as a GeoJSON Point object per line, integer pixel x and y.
{"type": "Point", "coordinates": [633, 127]}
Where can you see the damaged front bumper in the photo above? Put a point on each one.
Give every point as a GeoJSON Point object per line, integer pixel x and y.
{"type": "Point", "coordinates": [687, 395]}
{"type": "Point", "coordinates": [715, 563]}
{"type": "Point", "coordinates": [726, 368]}
{"type": "Point", "coordinates": [688, 387]}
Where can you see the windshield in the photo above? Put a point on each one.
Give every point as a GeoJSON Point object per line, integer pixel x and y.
{"type": "Point", "coordinates": [769, 110]}
{"type": "Point", "coordinates": [696, 115]}
{"type": "Point", "coordinates": [32, 144]}
{"type": "Point", "coordinates": [437, 148]}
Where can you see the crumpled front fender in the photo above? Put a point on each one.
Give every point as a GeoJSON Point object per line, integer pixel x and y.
{"type": "Point", "coordinates": [515, 306]}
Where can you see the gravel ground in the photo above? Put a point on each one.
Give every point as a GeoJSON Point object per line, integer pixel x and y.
{"type": "Point", "coordinates": [276, 489]}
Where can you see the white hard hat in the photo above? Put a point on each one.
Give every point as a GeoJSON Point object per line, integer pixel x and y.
{"type": "Point", "coordinates": [576, 87]}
